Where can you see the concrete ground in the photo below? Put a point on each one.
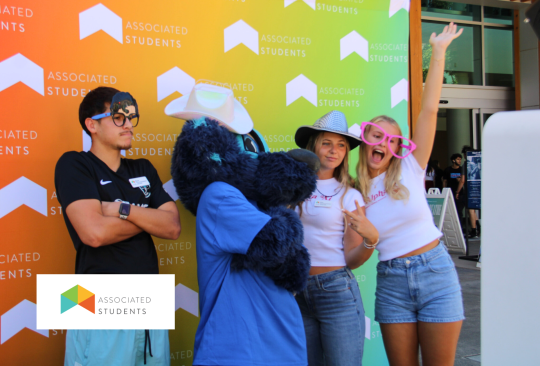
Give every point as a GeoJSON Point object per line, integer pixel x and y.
{"type": "Point", "coordinates": [468, 350]}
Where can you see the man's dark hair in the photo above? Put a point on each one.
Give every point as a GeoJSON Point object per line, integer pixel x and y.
{"type": "Point", "coordinates": [94, 103]}
{"type": "Point", "coordinates": [455, 156]}
{"type": "Point", "coordinates": [466, 148]}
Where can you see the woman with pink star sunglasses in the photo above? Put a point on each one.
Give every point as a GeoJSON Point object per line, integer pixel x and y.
{"type": "Point", "coordinates": [418, 297]}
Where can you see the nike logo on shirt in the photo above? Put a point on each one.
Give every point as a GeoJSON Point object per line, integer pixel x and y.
{"type": "Point", "coordinates": [105, 182]}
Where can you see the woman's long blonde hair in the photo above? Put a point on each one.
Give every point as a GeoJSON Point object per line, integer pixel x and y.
{"type": "Point", "coordinates": [392, 184]}
{"type": "Point", "coordinates": [341, 173]}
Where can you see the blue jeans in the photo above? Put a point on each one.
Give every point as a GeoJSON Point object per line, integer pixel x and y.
{"type": "Point", "coordinates": [333, 316]}
{"type": "Point", "coordinates": [423, 287]}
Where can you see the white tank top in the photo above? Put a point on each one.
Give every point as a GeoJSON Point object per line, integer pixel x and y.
{"type": "Point", "coordinates": [403, 225]}
{"type": "Point", "coordinates": [324, 222]}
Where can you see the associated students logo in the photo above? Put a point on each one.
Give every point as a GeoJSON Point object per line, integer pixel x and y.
{"type": "Point", "coordinates": [368, 327]}
{"type": "Point", "coordinates": [396, 5]}
{"type": "Point", "coordinates": [77, 295]}
{"type": "Point", "coordinates": [301, 86]}
{"type": "Point", "coordinates": [98, 18]}
{"type": "Point", "coordinates": [171, 190]}
{"type": "Point", "coordinates": [187, 299]}
{"type": "Point", "coordinates": [22, 315]}
{"type": "Point", "coordinates": [19, 68]}
{"type": "Point", "coordinates": [241, 32]}
{"type": "Point", "coordinates": [23, 192]}
{"type": "Point", "coordinates": [353, 42]}
{"type": "Point", "coordinates": [174, 80]}
{"type": "Point", "coordinates": [311, 3]}
{"type": "Point", "coordinates": [399, 92]}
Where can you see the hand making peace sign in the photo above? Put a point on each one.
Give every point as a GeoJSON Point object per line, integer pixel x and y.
{"type": "Point", "coordinates": [359, 223]}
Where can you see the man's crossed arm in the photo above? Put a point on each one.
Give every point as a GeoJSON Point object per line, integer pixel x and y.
{"type": "Point", "coordinates": [98, 223]}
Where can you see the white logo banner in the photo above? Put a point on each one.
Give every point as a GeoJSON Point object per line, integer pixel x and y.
{"type": "Point", "coordinates": [105, 301]}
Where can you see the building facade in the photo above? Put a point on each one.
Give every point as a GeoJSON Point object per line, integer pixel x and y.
{"type": "Point", "coordinates": [492, 67]}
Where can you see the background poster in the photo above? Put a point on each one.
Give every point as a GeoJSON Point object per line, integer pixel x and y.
{"type": "Point", "coordinates": [288, 61]}
{"type": "Point", "coordinates": [474, 179]}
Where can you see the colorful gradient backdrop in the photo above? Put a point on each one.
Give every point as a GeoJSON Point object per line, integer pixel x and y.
{"type": "Point", "coordinates": [276, 41]}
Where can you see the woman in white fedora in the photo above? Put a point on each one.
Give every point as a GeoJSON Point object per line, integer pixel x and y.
{"type": "Point", "coordinates": [331, 304]}
{"type": "Point", "coordinates": [418, 298]}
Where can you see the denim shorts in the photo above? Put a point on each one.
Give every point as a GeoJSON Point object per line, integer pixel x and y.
{"type": "Point", "coordinates": [423, 287]}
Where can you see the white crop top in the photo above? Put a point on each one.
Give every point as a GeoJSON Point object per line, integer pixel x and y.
{"type": "Point", "coordinates": [324, 222]}
{"type": "Point", "coordinates": [403, 225]}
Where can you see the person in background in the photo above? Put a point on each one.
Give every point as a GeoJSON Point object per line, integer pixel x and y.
{"type": "Point", "coordinates": [331, 304]}
{"type": "Point", "coordinates": [429, 180]}
{"type": "Point", "coordinates": [438, 173]}
{"type": "Point", "coordinates": [454, 178]}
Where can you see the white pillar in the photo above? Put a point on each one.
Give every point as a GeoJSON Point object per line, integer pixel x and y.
{"type": "Point", "coordinates": [458, 130]}
{"type": "Point", "coordinates": [510, 245]}
{"type": "Point", "coordinates": [529, 65]}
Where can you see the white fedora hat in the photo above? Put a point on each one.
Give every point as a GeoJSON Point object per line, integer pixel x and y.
{"type": "Point", "coordinates": [214, 102]}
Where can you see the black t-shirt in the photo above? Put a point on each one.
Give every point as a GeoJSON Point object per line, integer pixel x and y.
{"type": "Point", "coordinates": [453, 177]}
{"type": "Point", "coordinates": [82, 175]}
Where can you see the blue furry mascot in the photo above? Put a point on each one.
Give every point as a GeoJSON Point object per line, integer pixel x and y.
{"type": "Point", "coordinates": [250, 254]}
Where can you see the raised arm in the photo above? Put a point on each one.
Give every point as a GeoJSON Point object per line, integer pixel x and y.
{"type": "Point", "coordinates": [426, 125]}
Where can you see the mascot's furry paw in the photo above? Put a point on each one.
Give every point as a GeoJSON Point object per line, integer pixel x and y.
{"type": "Point", "coordinates": [277, 250]}
{"type": "Point", "coordinates": [293, 273]}
{"type": "Point", "coordinates": [280, 172]}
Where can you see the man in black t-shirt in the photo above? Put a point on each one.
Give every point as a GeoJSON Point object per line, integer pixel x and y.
{"type": "Point", "coordinates": [454, 178]}
{"type": "Point", "coordinates": [453, 175]}
{"type": "Point", "coordinates": [112, 207]}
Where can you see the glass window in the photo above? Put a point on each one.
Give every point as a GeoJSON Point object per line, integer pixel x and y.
{"type": "Point", "coordinates": [463, 58]}
{"type": "Point", "coordinates": [498, 15]}
{"type": "Point", "coordinates": [498, 46]}
{"type": "Point", "coordinates": [450, 10]}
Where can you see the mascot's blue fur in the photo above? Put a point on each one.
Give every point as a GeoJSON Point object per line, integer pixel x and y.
{"type": "Point", "coordinates": [206, 152]}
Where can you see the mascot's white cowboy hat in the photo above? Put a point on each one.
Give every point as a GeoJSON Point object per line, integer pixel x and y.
{"type": "Point", "coordinates": [333, 121]}
{"type": "Point", "coordinates": [214, 102]}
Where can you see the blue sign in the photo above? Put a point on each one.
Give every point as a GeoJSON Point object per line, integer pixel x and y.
{"type": "Point", "coordinates": [474, 179]}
